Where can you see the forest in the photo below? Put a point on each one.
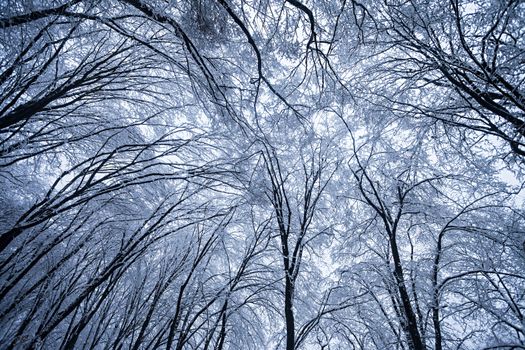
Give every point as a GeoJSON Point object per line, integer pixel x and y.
{"type": "Point", "coordinates": [262, 174]}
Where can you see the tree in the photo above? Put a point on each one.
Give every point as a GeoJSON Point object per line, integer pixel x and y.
{"type": "Point", "coordinates": [456, 62]}
{"type": "Point", "coordinates": [232, 174]}
{"type": "Point", "coordinates": [424, 228]}
{"type": "Point", "coordinates": [294, 215]}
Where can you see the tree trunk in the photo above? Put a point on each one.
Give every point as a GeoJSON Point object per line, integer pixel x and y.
{"type": "Point", "coordinates": [410, 322]}
{"type": "Point", "coordinates": [288, 312]}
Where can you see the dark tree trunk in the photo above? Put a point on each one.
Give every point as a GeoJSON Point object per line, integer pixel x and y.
{"type": "Point", "coordinates": [288, 312]}
{"type": "Point", "coordinates": [410, 322]}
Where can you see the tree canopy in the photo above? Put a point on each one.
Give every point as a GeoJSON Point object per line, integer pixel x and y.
{"type": "Point", "coordinates": [261, 174]}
